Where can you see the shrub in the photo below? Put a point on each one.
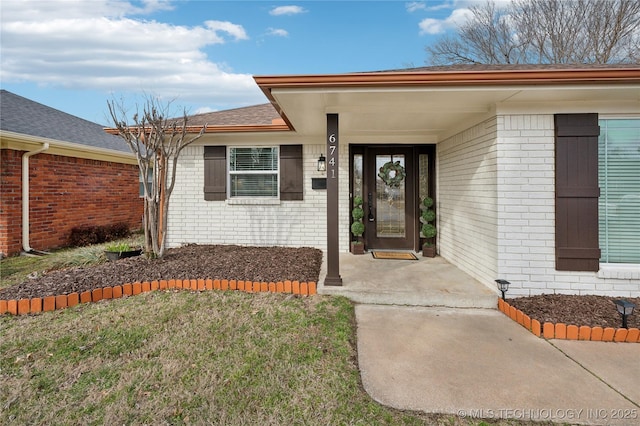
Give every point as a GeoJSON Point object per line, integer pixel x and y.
{"type": "Point", "coordinates": [86, 235]}
{"type": "Point", "coordinates": [357, 227]}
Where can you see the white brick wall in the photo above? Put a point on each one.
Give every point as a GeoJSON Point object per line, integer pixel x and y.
{"type": "Point", "coordinates": [496, 210]}
{"type": "Point", "coordinates": [495, 184]}
{"type": "Point", "coordinates": [467, 200]}
{"type": "Point", "coordinates": [283, 223]}
{"type": "Point", "coordinates": [526, 218]}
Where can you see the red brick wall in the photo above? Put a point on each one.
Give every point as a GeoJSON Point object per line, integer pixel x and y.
{"type": "Point", "coordinates": [10, 201]}
{"type": "Point", "coordinates": [65, 192]}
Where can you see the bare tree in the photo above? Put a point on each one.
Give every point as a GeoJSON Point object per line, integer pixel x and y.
{"type": "Point", "coordinates": [157, 142]}
{"type": "Point", "coordinates": [487, 38]}
{"type": "Point", "coordinates": [546, 32]}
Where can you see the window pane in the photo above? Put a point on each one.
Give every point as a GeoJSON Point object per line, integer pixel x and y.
{"type": "Point", "coordinates": [357, 175]}
{"type": "Point", "coordinates": [244, 159]}
{"type": "Point", "coordinates": [619, 180]}
{"type": "Point", "coordinates": [390, 202]}
{"type": "Point", "coordinates": [254, 185]}
{"type": "Point", "coordinates": [423, 180]}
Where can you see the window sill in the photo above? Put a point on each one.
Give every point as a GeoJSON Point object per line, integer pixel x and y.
{"type": "Point", "coordinates": [619, 271]}
{"type": "Point", "coordinates": [253, 202]}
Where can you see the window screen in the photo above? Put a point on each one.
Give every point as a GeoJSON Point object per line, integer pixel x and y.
{"type": "Point", "coordinates": [253, 172]}
{"type": "Point", "coordinates": [619, 180]}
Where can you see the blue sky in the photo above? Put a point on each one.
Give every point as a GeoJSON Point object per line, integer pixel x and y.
{"type": "Point", "coordinates": [74, 55]}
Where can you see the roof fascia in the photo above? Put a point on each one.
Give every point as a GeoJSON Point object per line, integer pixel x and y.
{"type": "Point", "coordinates": [227, 129]}
{"type": "Point", "coordinates": [455, 78]}
{"type": "Point", "coordinates": [22, 142]}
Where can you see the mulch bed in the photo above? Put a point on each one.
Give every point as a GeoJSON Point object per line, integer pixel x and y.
{"type": "Point", "coordinates": [592, 311]}
{"type": "Point", "coordinates": [273, 264]}
{"type": "Point", "coordinates": [262, 264]}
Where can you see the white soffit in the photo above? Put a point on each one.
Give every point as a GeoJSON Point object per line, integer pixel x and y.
{"type": "Point", "coordinates": [426, 114]}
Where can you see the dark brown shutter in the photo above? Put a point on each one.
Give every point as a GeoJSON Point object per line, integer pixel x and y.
{"type": "Point", "coordinates": [215, 173]}
{"type": "Point", "coordinates": [291, 179]}
{"type": "Point", "coordinates": [577, 192]}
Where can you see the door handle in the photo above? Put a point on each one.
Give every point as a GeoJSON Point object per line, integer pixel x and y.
{"type": "Point", "coordinates": [370, 217]}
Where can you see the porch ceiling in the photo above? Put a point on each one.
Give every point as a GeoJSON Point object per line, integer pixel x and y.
{"type": "Point", "coordinates": [430, 114]}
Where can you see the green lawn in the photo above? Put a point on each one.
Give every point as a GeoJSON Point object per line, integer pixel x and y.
{"type": "Point", "coordinates": [182, 357]}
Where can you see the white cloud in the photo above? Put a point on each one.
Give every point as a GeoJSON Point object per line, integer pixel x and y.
{"type": "Point", "coordinates": [287, 10]}
{"type": "Point", "coordinates": [278, 32]}
{"type": "Point", "coordinates": [235, 30]}
{"type": "Point", "coordinates": [415, 5]}
{"type": "Point", "coordinates": [431, 26]}
{"type": "Point", "coordinates": [439, 26]}
{"type": "Point", "coordinates": [203, 110]}
{"type": "Point", "coordinates": [67, 44]}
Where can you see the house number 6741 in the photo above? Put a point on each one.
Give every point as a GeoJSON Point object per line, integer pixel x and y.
{"type": "Point", "coordinates": [332, 151]}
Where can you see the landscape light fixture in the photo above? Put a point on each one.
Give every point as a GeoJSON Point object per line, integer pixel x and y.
{"type": "Point", "coordinates": [503, 286]}
{"type": "Point", "coordinates": [625, 308]}
{"type": "Point", "coordinates": [322, 163]}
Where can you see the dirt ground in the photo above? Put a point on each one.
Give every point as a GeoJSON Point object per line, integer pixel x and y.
{"type": "Point", "coordinates": [280, 264]}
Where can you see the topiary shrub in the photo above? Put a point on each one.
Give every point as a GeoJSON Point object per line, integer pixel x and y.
{"type": "Point", "coordinates": [428, 215]}
{"type": "Point", "coordinates": [357, 227]}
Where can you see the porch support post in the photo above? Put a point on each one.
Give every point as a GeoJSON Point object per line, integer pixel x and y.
{"type": "Point", "coordinates": [333, 253]}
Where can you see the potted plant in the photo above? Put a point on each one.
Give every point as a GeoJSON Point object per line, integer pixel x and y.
{"type": "Point", "coordinates": [428, 229]}
{"type": "Point", "coordinates": [357, 227]}
{"type": "Point", "coordinates": [120, 251]}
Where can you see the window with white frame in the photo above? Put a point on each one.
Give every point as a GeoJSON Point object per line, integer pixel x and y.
{"type": "Point", "coordinates": [149, 181]}
{"type": "Point", "coordinates": [619, 181]}
{"type": "Point", "coordinates": [253, 172]}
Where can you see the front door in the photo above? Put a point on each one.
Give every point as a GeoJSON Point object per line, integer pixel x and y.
{"type": "Point", "coordinates": [389, 198]}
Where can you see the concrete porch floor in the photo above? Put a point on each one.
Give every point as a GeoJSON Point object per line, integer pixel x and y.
{"type": "Point", "coordinates": [425, 282]}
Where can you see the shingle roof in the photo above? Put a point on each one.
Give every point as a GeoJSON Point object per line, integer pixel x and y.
{"type": "Point", "coordinates": [21, 115]}
{"type": "Point", "coordinates": [508, 67]}
{"type": "Point", "coordinates": [251, 115]}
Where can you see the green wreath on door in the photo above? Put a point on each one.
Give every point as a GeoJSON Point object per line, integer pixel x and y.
{"type": "Point", "coordinates": [392, 174]}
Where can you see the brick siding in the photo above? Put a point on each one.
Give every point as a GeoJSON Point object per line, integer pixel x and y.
{"type": "Point", "coordinates": [10, 201]}
{"type": "Point", "coordinates": [496, 210]}
{"type": "Point", "coordinates": [467, 200]}
{"type": "Point", "coordinates": [260, 222]}
{"type": "Point", "coordinates": [526, 217]}
{"type": "Point", "coordinates": [65, 192]}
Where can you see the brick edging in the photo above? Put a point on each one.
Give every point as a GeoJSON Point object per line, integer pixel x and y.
{"type": "Point", "coordinates": [550, 330]}
{"type": "Point", "coordinates": [51, 303]}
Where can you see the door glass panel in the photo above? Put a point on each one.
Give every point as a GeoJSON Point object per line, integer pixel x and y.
{"type": "Point", "coordinates": [423, 177]}
{"type": "Point", "coordinates": [390, 201]}
{"type": "Point", "coordinates": [357, 175]}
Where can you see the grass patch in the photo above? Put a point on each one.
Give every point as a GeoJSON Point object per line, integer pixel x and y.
{"type": "Point", "coordinates": [189, 358]}
{"type": "Point", "coordinates": [180, 357]}
{"type": "Point", "coordinates": [16, 269]}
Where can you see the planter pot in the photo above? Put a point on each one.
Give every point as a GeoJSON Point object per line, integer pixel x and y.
{"type": "Point", "coordinates": [115, 255]}
{"type": "Point", "coordinates": [428, 251]}
{"type": "Point", "coordinates": [357, 248]}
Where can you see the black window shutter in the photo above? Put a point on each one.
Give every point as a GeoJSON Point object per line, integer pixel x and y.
{"type": "Point", "coordinates": [215, 173]}
{"type": "Point", "coordinates": [291, 179]}
{"type": "Point", "coordinates": [577, 192]}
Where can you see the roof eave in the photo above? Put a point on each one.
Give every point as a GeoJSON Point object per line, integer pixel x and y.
{"type": "Point", "coordinates": [464, 78]}
{"type": "Point", "coordinates": [227, 129]}
{"type": "Point", "coordinates": [454, 78]}
{"type": "Point", "coordinates": [22, 142]}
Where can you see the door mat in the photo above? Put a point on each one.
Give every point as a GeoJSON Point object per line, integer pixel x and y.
{"type": "Point", "coordinates": [395, 255]}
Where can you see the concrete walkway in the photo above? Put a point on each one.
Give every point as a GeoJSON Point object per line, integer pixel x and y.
{"type": "Point", "coordinates": [425, 282]}
{"type": "Point", "coordinates": [477, 362]}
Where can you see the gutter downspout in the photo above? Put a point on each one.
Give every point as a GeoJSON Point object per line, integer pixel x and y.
{"type": "Point", "coordinates": [25, 195]}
